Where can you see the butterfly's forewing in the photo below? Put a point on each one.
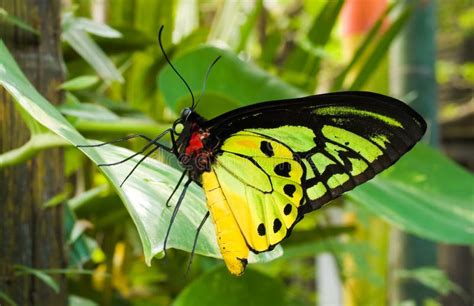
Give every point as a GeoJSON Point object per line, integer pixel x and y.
{"type": "Point", "coordinates": [278, 160]}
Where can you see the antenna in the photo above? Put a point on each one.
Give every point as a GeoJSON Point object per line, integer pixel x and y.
{"type": "Point", "coordinates": [176, 71]}
{"type": "Point", "coordinates": [205, 80]}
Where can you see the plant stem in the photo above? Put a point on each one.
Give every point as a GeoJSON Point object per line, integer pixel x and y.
{"type": "Point", "coordinates": [120, 126]}
{"type": "Point", "coordinates": [87, 196]}
{"type": "Point", "coordinates": [36, 144]}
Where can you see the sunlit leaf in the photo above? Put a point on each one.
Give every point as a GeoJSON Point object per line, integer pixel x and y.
{"type": "Point", "coordinates": [75, 300]}
{"type": "Point", "coordinates": [81, 82]}
{"type": "Point", "coordinates": [88, 111]}
{"type": "Point", "coordinates": [81, 42]}
{"type": "Point", "coordinates": [90, 26]}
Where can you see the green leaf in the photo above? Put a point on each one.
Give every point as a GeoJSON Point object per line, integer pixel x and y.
{"type": "Point", "coordinates": [431, 302]}
{"type": "Point", "coordinates": [424, 193]}
{"type": "Point", "coordinates": [81, 42]}
{"type": "Point", "coordinates": [43, 276]}
{"type": "Point", "coordinates": [78, 251]}
{"type": "Point", "coordinates": [431, 277]}
{"type": "Point", "coordinates": [75, 300]}
{"type": "Point", "coordinates": [218, 287]}
{"type": "Point", "coordinates": [79, 83]}
{"type": "Point", "coordinates": [88, 111]}
{"type": "Point", "coordinates": [16, 22]}
{"type": "Point", "coordinates": [319, 35]}
{"type": "Point", "coordinates": [407, 303]}
{"type": "Point", "coordinates": [232, 82]}
{"type": "Point", "coordinates": [5, 297]}
{"type": "Point", "coordinates": [144, 194]}
{"type": "Point", "coordinates": [323, 24]}
{"type": "Point", "coordinates": [58, 198]}
{"type": "Point", "coordinates": [250, 22]}
{"type": "Point", "coordinates": [90, 26]}
{"type": "Point", "coordinates": [131, 40]}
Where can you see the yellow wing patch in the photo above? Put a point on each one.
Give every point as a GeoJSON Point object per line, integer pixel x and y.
{"type": "Point", "coordinates": [255, 186]}
{"type": "Point", "coordinates": [232, 245]}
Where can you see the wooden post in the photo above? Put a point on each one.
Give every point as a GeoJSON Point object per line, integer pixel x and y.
{"type": "Point", "coordinates": [30, 234]}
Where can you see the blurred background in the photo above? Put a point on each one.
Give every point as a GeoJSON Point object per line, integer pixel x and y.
{"type": "Point", "coordinates": [66, 237]}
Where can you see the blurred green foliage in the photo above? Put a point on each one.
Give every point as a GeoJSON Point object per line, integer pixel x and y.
{"type": "Point", "coordinates": [119, 84]}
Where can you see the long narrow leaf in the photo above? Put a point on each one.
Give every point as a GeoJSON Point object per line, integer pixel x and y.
{"type": "Point", "coordinates": [4, 16]}
{"type": "Point", "coordinates": [319, 35]}
{"type": "Point", "coordinates": [43, 276]}
{"type": "Point", "coordinates": [249, 25]}
{"type": "Point", "coordinates": [323, 25]}
{"type": "Point", "coordinates": [75, 35]}
{"type": "Point", "coordinates": [7, 299]}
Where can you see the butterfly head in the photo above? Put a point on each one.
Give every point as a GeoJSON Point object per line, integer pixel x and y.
{"type": "Point", "coordinates": [192, 138]}
{"type": "Point", "coordinates": [188, 120]}
{"type": "Point", "coordinates": [186, 113]}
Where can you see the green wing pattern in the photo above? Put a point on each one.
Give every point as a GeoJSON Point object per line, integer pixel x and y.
{"type": "Point", "coordinates": [344, 148]}
{"type": "Point", "coordinates": [275, 161]}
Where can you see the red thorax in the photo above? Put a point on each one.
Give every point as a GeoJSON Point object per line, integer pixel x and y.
{"type": "Point", "coordinates": [195, 142]}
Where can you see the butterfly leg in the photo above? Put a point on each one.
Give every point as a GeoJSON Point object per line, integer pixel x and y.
{"type": "Point", "coordinates": [196, 239]}
{"type": "Point", "coordinates": [138, 164]}
{"type": "Point", "coordinates": [148, 145]}
{"type": "Point", "coordinates": [175, 188]}
{"type": "Point", "coordinates": [175, 212]}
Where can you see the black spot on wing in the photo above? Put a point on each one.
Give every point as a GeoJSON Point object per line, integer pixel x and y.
{"type": "Point", "coordinates": [261, 229]}
{"type": "Point", "coordinates": [266, 148]}
{"type": "Point", "coordinates": [276, 225]}
{"type": "Point", "coordinates": [287, 209]}
{"type": "Point", "coordinates": [283, 169]}
{"type": "Point", "coordinates": [289, 189]}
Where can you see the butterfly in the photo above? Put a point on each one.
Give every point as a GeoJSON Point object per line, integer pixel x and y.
{"type": "Point", "coordinates": [264, 166]}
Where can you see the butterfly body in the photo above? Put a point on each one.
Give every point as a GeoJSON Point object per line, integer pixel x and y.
{"type": "Point", "coordinates": [264, 166]}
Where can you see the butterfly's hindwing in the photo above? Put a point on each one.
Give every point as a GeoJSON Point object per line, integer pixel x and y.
{"type": "Point", "coordinates": [261, 181]}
